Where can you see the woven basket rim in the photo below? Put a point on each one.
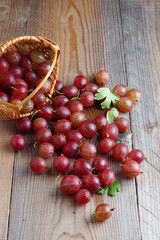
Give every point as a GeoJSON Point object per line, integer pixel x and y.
{"type": "Point", "coordinates": [53, 46]}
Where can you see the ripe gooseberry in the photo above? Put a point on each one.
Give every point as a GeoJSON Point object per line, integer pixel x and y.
{"type": "Point", "coordinates": [20, 81]}
{"type": "Point", "coordinates": [125, 104]}
{"type": "Point", "coordinates": [121, 90]}
{"type": "Point", "coordinates": [39, 99]}
{"type": "Point", "coordinates": [43, 135]}
{"type": "Point", "coordinates": [43, 68]}
{"type": "Point", "coordinates": [39, 123]}
{"type": "Point", "coordinates": [17, 71]}
{"type": "Point", "coordinates": [45, 87]}
{"type": "Point", "coordinates": [70, 184]}
{"type": "Point", "coordinates": [70, 149]}
{"type": "Point", "coordinates": [24, 125]}
{"type": "Point", "coordinates": [37, 56]}
{"type": "Point", "coordinates": [110, 131]}
{"type": "Point", "coordinates": [61, 164]}
{"type": "Point", "coordinates": [46, 111]}
{"type": "Point", "coordinates": [70, 91]}
{"type": "Point", "coordinates": [7, 79]}
{"type": "Point", "coordinates": [88, 150]}
{"type": "Point", "coordinates": [58, 140]}
{"type": "Point", "coordinates": [99, 164]}
{"type": "Point", "coordinates": [30, 76]}
{"type": "Point", "coordinates": [122, 124]}
{"type": "Point", "coordinates": [134, 95]}
{"type": "Point", "coordinates": [103, 77]}
{"type": "Point", "coordinates": [91, 87]}
{"type": "Point", "coordinates": [75, 106]}
{"type": "Point", "coordinates": [106, 145]}
{"type": "Point", "coordinates": [74, 135]}
{"type": "Point", "coordinates": [91, 182]}
{"type": "Point", "coordinates": [80, 82]}
{"type": "Point", "coordinates": [62, 112]}
{"type": "Point", "coordinates": [18, 142]}
{"type": "Point", "coordinates": [107, 177]}
{"type": "Point", "coordinates": [136, 155]}
{"type": "Point", "coordinates": [46, 149]}
{"type": "Point", "coordinates": [83, 196]}
{"type": "Point", "coordinates": [130, 168]}
{"type": "Point", "coordinates": [100, 121]}
{"type": "Point", "coordinates": [87, 128]}
{"type": "Point", "coordinates": [20, 91]}
{"type": "Point", "coordinates": [120, 151]}
{"type": "Point", "coordinates": [87, 99]}
{"type": "Point", "coordinates": [103, 211]}
{"type": "Point", "coordinates": [13, 58]}
{"type": "Point", "coordinates": [4, 65]}
{"type": "Point", "coordinates": [28, 106]}
{"type": "Point", "coordinates": [59, 101]}
{"type": "Point", "coordinates": [82, 167]}
{"type": "Point", "coordinates": [37, 165]}
{"type": "Point", "coordinates": [25, 62]}
{"type": "Point", "coordinates": [58, 87]}
{"type": "Point", "coordinates": [76, 118]}
{"type": "Point", "coordinates": [62, 126]}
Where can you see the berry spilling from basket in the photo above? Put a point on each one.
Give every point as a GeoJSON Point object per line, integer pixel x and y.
{"type": "Point", "coordinates": [20, 74]}
{"type": "Point", "coordinates": [71, 132]}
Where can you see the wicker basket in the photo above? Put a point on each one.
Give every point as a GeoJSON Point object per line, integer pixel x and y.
{"type": "Point", "coordinates": [25, 44]}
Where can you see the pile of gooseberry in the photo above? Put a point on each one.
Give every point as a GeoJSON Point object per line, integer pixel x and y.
{"type": "Point", "coordinates": [19, 76]}
{"type": "Point", "coordinates": [71, 134]}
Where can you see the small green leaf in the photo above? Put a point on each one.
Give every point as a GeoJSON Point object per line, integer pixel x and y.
{"type": "Point", "coordinates": [114, 188]}
{"type": "Point", "coordinates": [108, 95]}
{"type": "Point", "coordinates": [112, 115]}
{"type": "Point", "coordinates": [102, 190]}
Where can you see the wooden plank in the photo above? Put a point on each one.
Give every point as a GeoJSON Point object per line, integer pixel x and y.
{"type": "Point", "coordinates": [12, 24]}
{"type": "Point", "coordinates": [90, 37]}
{"type": "Point", "coordinates": [140, 24]}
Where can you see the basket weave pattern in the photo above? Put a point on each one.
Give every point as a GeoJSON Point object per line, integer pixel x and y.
{"type": "Point", "coordinates": [25, 44]}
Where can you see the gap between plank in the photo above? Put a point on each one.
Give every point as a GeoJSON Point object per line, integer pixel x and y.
{"type": "Point", "coordinates": [125, 68]}
{"type": "Point", "coordinates": [8, 225]}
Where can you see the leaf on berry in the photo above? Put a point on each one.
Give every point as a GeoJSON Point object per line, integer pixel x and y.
{"type": "Point", "coordinates": [108, 95]}
{"type": "Point", "coordinates": [112, 115]}
{"type": "Point", "coordinates": [113, 189]}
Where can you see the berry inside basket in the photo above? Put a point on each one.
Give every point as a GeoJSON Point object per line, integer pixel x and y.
{"type": "Point", "coordinates": [29, 68]}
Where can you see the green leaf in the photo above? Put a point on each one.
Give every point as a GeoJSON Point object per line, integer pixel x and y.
{"type": "Point", "coordinates": [112, 115]}
{"type": "Point", "coordinates": [102, 190]}
{"type": "Point", "coordinates": [113, 189]}
{"type": "Point", "coordinates": [108, 95]}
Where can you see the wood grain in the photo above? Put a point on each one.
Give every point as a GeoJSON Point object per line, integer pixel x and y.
{"type": "Point", "coordinates": [142, 58]}
{"type": "Point", "coordinates": [82, 28]}
{"type": "Point", "coordinates": [12, 24]}
{"type": "Point", "coordinates": [122, 36]}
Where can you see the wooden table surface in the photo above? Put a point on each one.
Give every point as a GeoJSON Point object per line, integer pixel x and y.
{"type": "Point", "coordinates": [122, 36]}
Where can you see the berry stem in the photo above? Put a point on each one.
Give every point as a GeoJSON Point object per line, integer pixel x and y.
{"type": "Point", "coordinates": [14, 88]}
{"type": "Point", "coordinates": [34, 114]}
{"type": "Point", "coordinates": [75, 98]}
{"type": "Point", "coordinates": [56, 190]}
{"type": "Point", "coordinates": [59, 92]}
{"type": "Point", "coordinates": [26, 163]}
{"type": "Point", "coordinates": [90, 219]}
{"type": "Point", "coordinates": [30, 90]}
{"type": "Point", "coordinates": [58, 176]}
